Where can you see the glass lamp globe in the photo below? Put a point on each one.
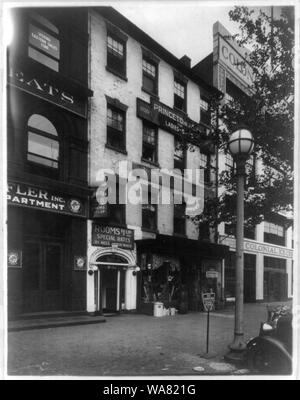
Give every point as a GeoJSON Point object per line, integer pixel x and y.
{"type": "Point", "coordinates": [241, 143]}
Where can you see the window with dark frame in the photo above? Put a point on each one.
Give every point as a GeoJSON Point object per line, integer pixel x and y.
{"type": "Point", "coordinates": [205, 115]}
{"type": "Point", "coordinates": [205, 166]}
{"type": "Point", "coordinates": [43, 41]}
{"type": "Point", "coordinates": [274, 233]}
{"type": "Point", "coordinates": [179, 218]}
{"type": "Point", "coordinates": [149, 151]}
{"type": "Point", "coordinates": [116, 54]}
{"type": "Point", "coordinates": [150, 76]}
{"type": "Point", "coordinates": [43, 144]}
{"type": "Point", "coordinates": [249, 231]}
{"type": "Point", "coordinates": [149, 215]}
{"type": "Point", "coordinates": [179, 95]}
{"type": "Point", "coordinates": [116, 128]}
{"type": "Point", "coordinates": [179, 156]}
{"type": "Point", "coordinates": [117, 212]}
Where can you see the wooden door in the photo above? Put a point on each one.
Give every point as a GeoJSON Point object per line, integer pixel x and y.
{"type": "Point", "coordinates": [42, 276]}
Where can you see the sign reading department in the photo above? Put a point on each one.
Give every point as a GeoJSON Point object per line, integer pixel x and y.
{"type": "Point", "coordinates": [33, 197]}
{"type": "Point", "coordinates": [107, 236]}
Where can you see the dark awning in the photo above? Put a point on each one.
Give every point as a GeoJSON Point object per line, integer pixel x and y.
{"type": "Point", "coordinates": [181, 246]}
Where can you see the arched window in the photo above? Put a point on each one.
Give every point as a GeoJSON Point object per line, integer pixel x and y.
{"type": "Point", "coordinates": [43, 145]}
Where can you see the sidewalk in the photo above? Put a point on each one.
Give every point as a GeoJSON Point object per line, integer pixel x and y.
{"type": "Point", "coordinates": [131, 345]}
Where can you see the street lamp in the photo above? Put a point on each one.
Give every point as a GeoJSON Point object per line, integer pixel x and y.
{"type": "Point", "coordinates": [240, 145]}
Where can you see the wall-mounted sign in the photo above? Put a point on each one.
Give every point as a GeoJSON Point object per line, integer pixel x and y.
{"type": "Point", "coordinates": [211, 274]}
{"type": "Point", "coordinates": [79, 263]}
{"type": "Point", "coordinates": [107, 236]}
{"type": "Point", "coordinates": [14, 258]}
{"type": "Point", "coordinates": [98, 210]}
{"type": "Point", "coordinates": [29, 82]}
{"type": "Point", "coordinates": [33, 197]}
{"type": "Point", "coordinates": [43, 41]}
{"type": "Point", "coordinates": [166, 117]}
{"type": "Point", "coordinates": [257, 247]}
{"type": "Point", "coordinates": [235, 62]}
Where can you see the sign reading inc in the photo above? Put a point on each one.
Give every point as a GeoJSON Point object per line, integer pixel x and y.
{"type": "Point", "coordinates": [108, 236]}
{"type": "Point", "coordinates": [33, 197]}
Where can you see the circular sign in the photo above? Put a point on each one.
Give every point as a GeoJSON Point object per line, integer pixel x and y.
{"type": "Point", "coordinates": [13, 258]}
{"type": "Point", "coordinates": [75, 206]}
{"type": "Point", "coordinates": [80, 262]}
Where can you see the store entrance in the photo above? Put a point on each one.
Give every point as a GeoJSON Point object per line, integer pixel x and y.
{"type": "Point", "coordinates": [42, 279]}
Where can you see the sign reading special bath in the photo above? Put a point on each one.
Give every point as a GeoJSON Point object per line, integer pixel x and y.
{"type": "Point", "coordinates": [33, 197]}
{"type": "Point", "coordinates": [110, 236]}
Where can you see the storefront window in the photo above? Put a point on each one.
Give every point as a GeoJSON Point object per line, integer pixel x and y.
{"type": "Point", "coordinates": [160, 279]}
{"type": "Point", "coordinates": [275, 279]}
{"type": "Point", "coordinates": [43, 145]}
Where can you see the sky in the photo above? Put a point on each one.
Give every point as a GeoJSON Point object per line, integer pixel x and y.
{"type": "Point", "coordinates": [182, 27]}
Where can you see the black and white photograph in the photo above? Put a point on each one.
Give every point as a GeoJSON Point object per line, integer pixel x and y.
{"type": "Point", "coordinates": [150, 189]}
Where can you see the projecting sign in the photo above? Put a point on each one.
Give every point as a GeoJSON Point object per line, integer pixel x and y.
{"type": "Point", "coordinates": [43, 41]}
{"type": "Point", "coordinates": [235, 62]}
{"type": "Point", "coordinates": [33, 197]}
{"type": "Point", "coordinates": [111, 236]}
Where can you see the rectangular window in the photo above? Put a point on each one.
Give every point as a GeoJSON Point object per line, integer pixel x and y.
{"type": "Point", "coordinates": [43, 42]}
{"type": "Point", "coordinates": [116, 128]}
{"type": "Point", "coordinates": [249, 232]}
{"type": "Point", "coordinates": [179, 158]}
{"type": "Point", "coordinates": [117, 212]}
{"type": "Point", "coordinates": [179, 95]}
{"type": "Point", "coordinates": [205, 115]}
{"type": "Point", "coordinates": [229, 163]}
{"type": "Point", "coordinates": [205, 166]}
{"type": "Point", "coordinates": [179, 218]}
{"type": "Point", "coordinates": [149, 143]}
{"type": "Point", "coordinates": [150, 76]}
{"type": "Point", "coordinates": [116, 55]}
{"type": "Point", "coordinates": [274, 234]}
{"type": "Point", "coordinates": [43, 150]}
{"type": "Point", "coordinates": [149, 215]}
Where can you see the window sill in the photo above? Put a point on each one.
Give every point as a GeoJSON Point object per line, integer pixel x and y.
{"type": "Point", "coordinates": [123, 151]}
{"type": "Point", "coordinates": [155, 95]}
{"type": "Point", "coordinates": [154, 164]}
{"type": "Point", "coordinates": [180, 235]}
{"type": "Point", "coordinates": [118, 74]}
{"type": "Point", "coordinates": [182, 111]}
{"type": "Point", "coordinates": [149, 230]}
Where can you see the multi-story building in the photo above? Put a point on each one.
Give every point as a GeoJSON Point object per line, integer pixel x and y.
{"type": "Point", "coordinates": [144, 97]}
{"type": "Point", "coordinates": [268, 258]}
{"type": "Point", "coordinates": [47, 155]}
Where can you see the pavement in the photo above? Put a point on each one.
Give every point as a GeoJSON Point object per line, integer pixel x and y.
{"type": "Point", "coordinates": [132, 345]}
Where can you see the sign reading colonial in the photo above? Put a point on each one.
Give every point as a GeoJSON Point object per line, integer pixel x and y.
{"type": "Point", "coordinates": [110, 236]}
{"type": "Point", "coordinates": [166, 117]}
{"type": "Point", "coordinates": [54, 93]}
{"type": "Point", "coordinates": [33, 197]}
{"type": "Point", "coordinates": [263, 248]}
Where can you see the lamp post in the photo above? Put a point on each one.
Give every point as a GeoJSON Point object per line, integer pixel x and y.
{"type": "Point", "coordinates": [240, 145]}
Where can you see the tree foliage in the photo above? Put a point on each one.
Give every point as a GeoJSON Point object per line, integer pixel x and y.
{"type": "Point", "coordinates": [268, 111]}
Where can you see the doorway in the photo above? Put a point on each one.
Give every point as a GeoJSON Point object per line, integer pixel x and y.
{"type": "Point", "coordinates": [112, 289]}
{"type": "Point", "coordinates": [42, 277]}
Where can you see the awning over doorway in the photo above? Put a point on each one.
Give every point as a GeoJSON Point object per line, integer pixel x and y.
{"type": "Point", "coordinates": [165, 244]}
